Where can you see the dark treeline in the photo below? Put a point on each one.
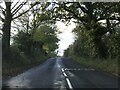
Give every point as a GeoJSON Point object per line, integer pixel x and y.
{"type": "Point", "coordinates": [98, 34]}
{"type": "Point", "coordinates": [34, 32]}
{"type": "Point", "coordinates": [97, 30]}
{"type": "Point", "coordinates": [35, 40]}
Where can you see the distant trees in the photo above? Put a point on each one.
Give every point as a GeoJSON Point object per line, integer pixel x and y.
{"type": "Point", "coordinates": [47, 35]}
{"type": "Point", "coordinates": [84, 45]}
{"type": "Point", "coordinates": [98, 28]}
{"type": "Point", "coordinates": [36, 35]}
{"type": "Point", "coordinates": [42, 42]}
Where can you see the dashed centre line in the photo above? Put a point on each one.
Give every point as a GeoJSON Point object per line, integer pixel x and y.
{"type": "Point", "coordinates": [68, 81]}
{"type": "Point", "coordinates": [62, 70]}
{"type": "Point", "coordinates": [69, 84]}
{"type": "Point", "coordinates": [64, 74]}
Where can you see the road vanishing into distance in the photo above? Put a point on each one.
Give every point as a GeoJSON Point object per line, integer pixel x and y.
{"type": "Point", "coordinates": [62, 74]}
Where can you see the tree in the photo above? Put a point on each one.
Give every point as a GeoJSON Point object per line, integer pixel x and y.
{"type": "Point", "coordinates": [90, 15]}
{"type": "Point", "coordinates": [47, 35]}
{"type": "Point", "coordinates": [43, 42]}
{"type": "Point", "coordinates": [11, 13]}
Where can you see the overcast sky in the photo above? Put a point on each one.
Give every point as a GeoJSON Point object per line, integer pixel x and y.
{"type": "Point", "coordinates": [66, 37]}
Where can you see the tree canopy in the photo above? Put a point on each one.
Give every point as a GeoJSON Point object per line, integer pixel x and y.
{"type": "Point", "coordinates": [97, 25]}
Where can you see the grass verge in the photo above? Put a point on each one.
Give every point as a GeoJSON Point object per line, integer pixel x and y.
{"type": "Point", "coordinates": [15, 67]}
{"type": "Point", "coordinates": [108, 65]}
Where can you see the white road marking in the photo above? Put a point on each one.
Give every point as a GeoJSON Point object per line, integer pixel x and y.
{"type": "Point", "coordinates": [69, 84]}
{"type": "Point", "coordinates": [68, 81]}
{"type": "Point", "coordinates": [64, 74]}
{"type": "Point", "coordinates": [62, 70]}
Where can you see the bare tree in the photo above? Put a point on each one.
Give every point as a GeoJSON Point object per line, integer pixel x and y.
{"type": "Point", "coordinates": [11, 12]}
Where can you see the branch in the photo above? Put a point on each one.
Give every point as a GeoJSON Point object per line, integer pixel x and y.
{"type": "Point", "coordinates": [82, 8]}
{"type": "Point", "coordinates": [2, 12]}
{"type": "Point", "coordinates": [65, 8]}
{"type": "Point", "coordinates": [2, 7]}
{"type": "Point", "coordinates": [14, 5]}
{"type": "Point", "coordinates": [74, 14]}
{"type": "Point", "coordinates": [26, 10]}
{"type": "Point", "coordinates": [113, 5]}
{"type": "Point", "coordinates": [18, 8]}
{"type": "Point", "coordinates": [2, 19]}
{"type": "Point", "coordinates": [111, 18]}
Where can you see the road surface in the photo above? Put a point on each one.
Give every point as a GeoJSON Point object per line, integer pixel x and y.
{"type": "Point", "coordinates": [62, 74]}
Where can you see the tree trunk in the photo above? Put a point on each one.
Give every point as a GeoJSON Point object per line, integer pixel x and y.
{"type": "Point", "coordinates": [101, 48]}
{"type": "Point", "coordinates": [6, 31]}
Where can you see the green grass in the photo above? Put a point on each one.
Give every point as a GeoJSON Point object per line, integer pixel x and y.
{"type": "Point", "coordinates": [108, 65]}
{"type": "Point", "coordinates": [18, 65]}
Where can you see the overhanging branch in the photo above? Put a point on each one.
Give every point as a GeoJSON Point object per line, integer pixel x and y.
{"type": "Point", "coordinates": [18, 8]}
{"type": "Point", "coordinates": [26, 10]}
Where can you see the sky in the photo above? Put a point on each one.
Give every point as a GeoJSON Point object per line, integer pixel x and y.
{"type": "Point", "coordinates": [66, 37]}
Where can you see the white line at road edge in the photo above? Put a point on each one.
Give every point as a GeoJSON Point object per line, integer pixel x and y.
{"type": "Point", "coordinates": [68, 81]}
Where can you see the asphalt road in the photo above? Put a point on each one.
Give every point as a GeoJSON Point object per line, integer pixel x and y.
{"type": "Point", "coordinates": [62, 74]}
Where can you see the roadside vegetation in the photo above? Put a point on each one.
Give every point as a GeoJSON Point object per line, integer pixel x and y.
{"type": "Point", "coordinates": [97, 41]}
{"type": "Point", "coordinates": [30, 41]}
{"type": "Point", "coordinates": [86, 53]}
{"type": "Point", "coordinates": [108, 65]}
{"type": "Point", "coordinates": [97, 33]}
{"type": "Point", "coordinates": [30, 49]}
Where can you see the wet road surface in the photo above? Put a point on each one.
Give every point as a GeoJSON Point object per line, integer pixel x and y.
{"type": "Point", "coordinates": [62, 74]}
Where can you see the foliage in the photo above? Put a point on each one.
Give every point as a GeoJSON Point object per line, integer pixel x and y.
{"type": "Point", "coordinates": [108, 65]}
{"type": "Point", "coordinates": [98, 29]}
{"type": "Point", "coordinates": [8, 14]}
{"type": "Point", "coordinates": [98, 42]}
{"type": "Point", "coordinates": [96, 38]}
{"type": "Point", "coordinates": [42, 41]}
{"type": "Point", "coordinates": [47, 35]}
